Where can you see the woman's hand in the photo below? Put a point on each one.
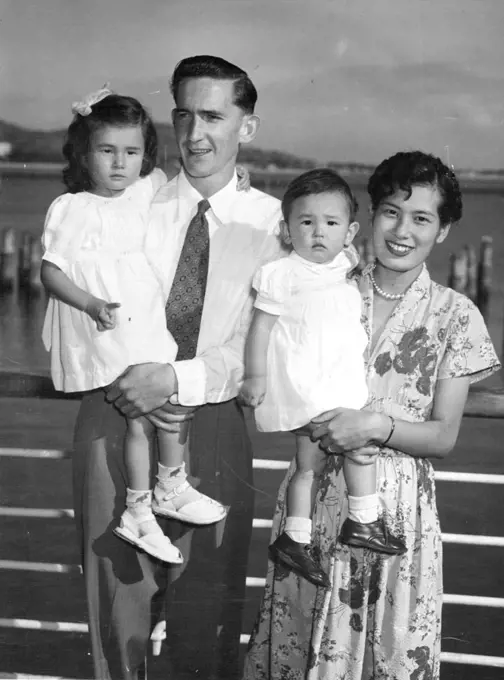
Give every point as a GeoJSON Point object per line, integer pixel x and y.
{"type": "Point", "coordinates": [364, 456]}
{"type": "Point", "coordinates": [344, 429]}
{"type": "Point", "coordinates": [143, 388]}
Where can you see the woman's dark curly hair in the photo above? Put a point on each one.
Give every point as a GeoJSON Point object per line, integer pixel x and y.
{"type": "Point", "coordinates": [407, 169]}
{"type": "Point", "coordinates": [114, 110]}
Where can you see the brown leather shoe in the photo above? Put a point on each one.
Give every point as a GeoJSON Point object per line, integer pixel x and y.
{"type": "Point", "coordinates": [373, 536]}
{"type": "Point", "coordinates": [297, 556]}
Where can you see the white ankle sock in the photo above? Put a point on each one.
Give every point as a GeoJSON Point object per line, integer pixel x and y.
{"type": "Point", "coordinates": [299, 529]}
{"type": "Point", "coordinates": [139, 503]}
{"type": "Point", "coordinates": [171, 477]}
{"type": "Point", "coordinates": [363, 508]}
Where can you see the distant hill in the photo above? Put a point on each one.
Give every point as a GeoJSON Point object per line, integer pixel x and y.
{"type": "Point", "coordinates": [43, 146]}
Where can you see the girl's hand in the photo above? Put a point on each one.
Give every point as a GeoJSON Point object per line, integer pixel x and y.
{"type": "Point", "coordinates": [103, 313]}
{"type": "Point", "coordinates": [343, 429]}
{"type": "Point", "coordinates": [252, 392]}
{"type": "Point", "coordinates": [243, 178]}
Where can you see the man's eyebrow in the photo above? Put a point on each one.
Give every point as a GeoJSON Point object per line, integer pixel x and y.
{"type": "Point", "coordinates": [200, 112]}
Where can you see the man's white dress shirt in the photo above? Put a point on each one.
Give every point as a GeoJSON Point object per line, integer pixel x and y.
{"type": "Point", "coordinates": [244, 228]}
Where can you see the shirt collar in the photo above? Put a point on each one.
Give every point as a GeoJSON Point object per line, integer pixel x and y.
{"type": "Point", "coordinates": [220, 202]}
{"type": "Point", "coordinates": [341, 263]}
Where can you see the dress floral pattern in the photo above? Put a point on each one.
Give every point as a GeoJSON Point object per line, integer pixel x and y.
{"type": "Point", "coordinates": [381, 620]}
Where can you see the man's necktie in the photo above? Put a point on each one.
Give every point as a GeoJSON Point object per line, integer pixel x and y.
{"type": "Point", "coordinates": [185, 302]}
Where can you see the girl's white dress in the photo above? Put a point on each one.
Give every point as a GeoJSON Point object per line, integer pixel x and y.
{"type": "Point", "coordinates": [315, 354]}
{"type": "Point", "coordinates": [99, 244]}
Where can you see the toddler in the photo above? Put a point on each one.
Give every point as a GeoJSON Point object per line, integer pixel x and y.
{"type": "Point", "coordinates": [304, 356]}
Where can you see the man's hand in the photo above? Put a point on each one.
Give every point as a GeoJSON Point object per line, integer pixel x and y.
{"type": "Point", "coordinates": [252, 391]}
{"type": "Point", "coordinates": [143, 388]}
{"type": "Point", "coordinates": [170, 417]}
{"type": "Point", "coordinates": [103, 313]}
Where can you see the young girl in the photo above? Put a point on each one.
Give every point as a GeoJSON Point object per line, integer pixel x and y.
{"type": "Point", "coordinates": [107, 309]}
{"type": "Point", "coordinates": [304, 356]}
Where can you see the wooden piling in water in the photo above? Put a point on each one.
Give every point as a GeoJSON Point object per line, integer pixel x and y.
{"type": "Point", "coordinates": [24, 260]}
{"type": "Point", "coordinates": [35, 259]}
{"type": "Point", "coordinates": [485, 276]}
{"type": "Point", "coordinates": [472, 273]}
{"type": "Point", "coordinates": [8, 261]}
{"type": "Point", "coordinates": [458, 271]}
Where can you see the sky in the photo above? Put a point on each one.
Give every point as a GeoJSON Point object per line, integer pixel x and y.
{"type": "Point", "coordinates": [338, 80]}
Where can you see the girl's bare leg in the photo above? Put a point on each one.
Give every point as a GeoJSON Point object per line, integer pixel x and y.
{"type": "Point", "coordinates": [174, 497]}
{"type": "Point", "coordinates": [138, 524]}
{"type": "Point", "coordinates": [137, 448]}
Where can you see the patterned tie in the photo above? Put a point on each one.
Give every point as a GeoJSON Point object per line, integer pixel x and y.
{"type": "Point", "coordinates": [185, 302]}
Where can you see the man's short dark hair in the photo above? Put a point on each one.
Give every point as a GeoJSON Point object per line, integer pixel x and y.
{"type": "Point", "coordinates": [407, 169]}
{"type": "Point", "coordinates": [206, 66]}
{"type": "Point", "coordinates": [319, 181]}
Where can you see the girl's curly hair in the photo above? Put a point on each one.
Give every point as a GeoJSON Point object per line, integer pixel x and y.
{"type": "Point", "coordinates": [114, 110]}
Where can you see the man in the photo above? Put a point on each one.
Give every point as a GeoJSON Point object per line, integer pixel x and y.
{"type": "Point", "coordinates": [126, 590]}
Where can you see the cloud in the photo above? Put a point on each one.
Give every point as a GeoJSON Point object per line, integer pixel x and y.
{"type": "Point", "coordinates": [347, 79]}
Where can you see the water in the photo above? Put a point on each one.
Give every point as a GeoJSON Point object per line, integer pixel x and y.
{"type": "Point", "coordinates": [24, 201]}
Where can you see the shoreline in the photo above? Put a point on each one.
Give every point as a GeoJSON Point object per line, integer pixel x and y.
{"type": "Point", "coordinates": [471, 181]}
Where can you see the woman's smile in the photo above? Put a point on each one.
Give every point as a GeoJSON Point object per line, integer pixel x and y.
{"type": "Point", "coordinates": [398, 249]}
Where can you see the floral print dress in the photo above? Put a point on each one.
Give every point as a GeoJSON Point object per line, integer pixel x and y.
{"type": "Point", "coordinates": [381, 620]}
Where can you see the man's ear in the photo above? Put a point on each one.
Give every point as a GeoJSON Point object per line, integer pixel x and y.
{"type": "Point", "coordinates": [352, 232]}
{"type": "Point", "coordinates": [284, 233]}
{"type": "Point", "coordinates": [249, 128]}
{"type": "Point", "coordinates": [443, 233]}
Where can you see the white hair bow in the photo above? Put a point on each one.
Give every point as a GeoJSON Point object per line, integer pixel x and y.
{"type": "Point", "coordinates": [83, 108]}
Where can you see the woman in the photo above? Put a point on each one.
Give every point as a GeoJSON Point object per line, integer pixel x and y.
{"type": "Point", "coordinates": [382, 617]}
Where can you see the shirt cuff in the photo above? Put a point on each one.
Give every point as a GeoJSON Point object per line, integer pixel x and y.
{"type": "Point", "coordinates": [191, 378]}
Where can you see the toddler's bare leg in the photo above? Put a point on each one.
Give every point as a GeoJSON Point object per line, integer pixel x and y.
{"type": "Point", "coordinates": [363, 528]}
{"type": "Point", "coordinates": [310, 463]}
{"type": "Point", "coordinates": [291, 547]}
{"type": "Point", "coordinates": [361, 484]}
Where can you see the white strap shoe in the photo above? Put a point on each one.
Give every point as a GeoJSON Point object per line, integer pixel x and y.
{"type": "Point", "coordinates": [187, 505]}
{"type": "Point", "coordinates": [151, 540]}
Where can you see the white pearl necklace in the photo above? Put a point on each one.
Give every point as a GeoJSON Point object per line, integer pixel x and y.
{"type": "Point", "coordinates": [383, 293]}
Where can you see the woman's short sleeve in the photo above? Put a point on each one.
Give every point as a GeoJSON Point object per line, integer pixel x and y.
{"type": "Point", "coordinates": [269, 282]}
{"type": "Point", "coordinates": [469, 349]}
{"type": "Point", "coordinates": [53, 236]}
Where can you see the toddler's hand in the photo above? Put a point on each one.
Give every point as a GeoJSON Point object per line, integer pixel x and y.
{"type": "Point", "coordinates": [243, 178]}
{"type": "Point", "coordinates": [103, 313]}
{"type": "Point", "coordinates": [253, 391]}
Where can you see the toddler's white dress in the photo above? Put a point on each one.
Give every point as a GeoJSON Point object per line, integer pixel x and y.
{"type": "Point", "coordinates": [315, 354]}
{"type": "Point", "coordinates": [99, 244]}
